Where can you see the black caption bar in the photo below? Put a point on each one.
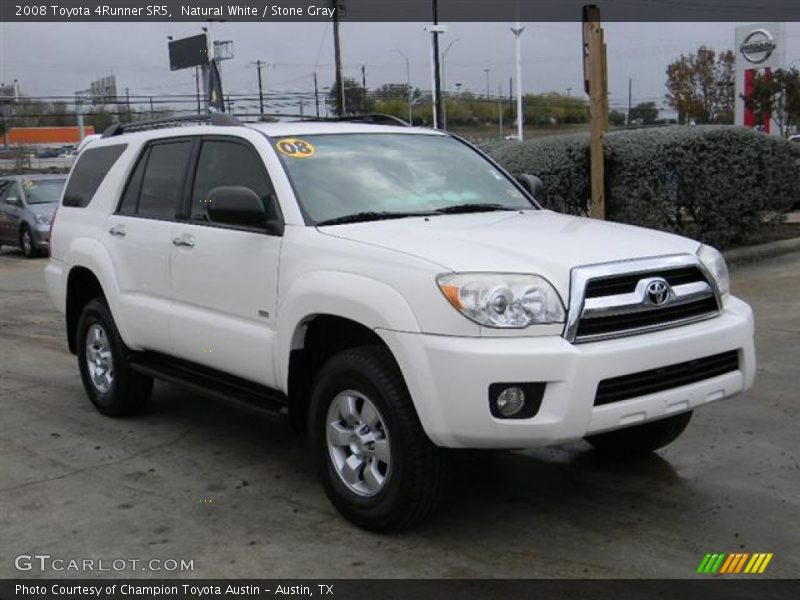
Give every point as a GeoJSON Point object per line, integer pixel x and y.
{"type": "Point", "coordinates": [396, 10]}
{"type": "Point", "coordinates": [350, 589]}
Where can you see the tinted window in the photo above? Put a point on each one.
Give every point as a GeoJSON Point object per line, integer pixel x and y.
{"type": "Point", "coordinates": [130, 199]}
{"type": "Point", "coordinates": [90, 170]}
{"type": "Point", "coordinates": [5, 184]}
{"type": "Point", "coordinates": [163, 180]}
{"type": "Point", "coordinates": [228, 164]}
{"type": "Point", "coordinates": [13, 191]}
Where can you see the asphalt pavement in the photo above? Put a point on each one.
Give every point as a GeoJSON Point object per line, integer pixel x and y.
{"type": "Point", "coordinates": [197, 480]}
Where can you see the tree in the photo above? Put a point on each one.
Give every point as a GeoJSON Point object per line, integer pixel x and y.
{"type": "Point", "coordinates": [646, 112]}
{"type": "Point", "coordinates": [356, 100]}
{"type": "Point", "coordinates": [777, 95]}
{"type": "Point", "coordinates": [616, 117]}
{"type": "Point", "coordinates": [700, 86]}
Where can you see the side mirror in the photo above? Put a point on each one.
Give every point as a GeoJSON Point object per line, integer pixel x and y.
{"type": "Point", "coordinates": [14, 201]}
{"type": "Point", "coordinates": [239, 206]}
{"type": "Point", "coordinates": [531, 183]}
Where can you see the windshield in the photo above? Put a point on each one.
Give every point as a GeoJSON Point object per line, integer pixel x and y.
{"type": "Point", "coordinates": [43, 191]}
{"type": "Point", "coordinates": [339, 175]}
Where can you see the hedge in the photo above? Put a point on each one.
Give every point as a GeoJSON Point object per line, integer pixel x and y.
{"type": "Point", "coordinates": [719, 184]}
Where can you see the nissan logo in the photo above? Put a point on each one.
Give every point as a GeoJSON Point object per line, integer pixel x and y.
{"type": "Point", "coordinates": [658, 292]}
{"type": "Point", "coordinates": [758, 46]}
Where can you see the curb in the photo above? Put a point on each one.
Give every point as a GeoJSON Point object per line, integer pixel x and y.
{"type": "Point", "coordinates": [762, 251]}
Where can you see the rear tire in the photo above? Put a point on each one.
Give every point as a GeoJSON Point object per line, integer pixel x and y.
{"type": "Point", "coordinates": [104, 362]}
{"type": "Point", "coordinates": [641, 439]}
{"type": "Point", "coordinates": [377, 465]}
{"type": "Point", "coordinates": [26, 242]}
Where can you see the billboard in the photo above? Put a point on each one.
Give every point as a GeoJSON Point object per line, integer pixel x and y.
{"type": "Point", "coordinates": [103, 90]}
{"type": "Point", "coordinates": [8, 94]}
{"type": "Point", "coordinates": [188, 52]}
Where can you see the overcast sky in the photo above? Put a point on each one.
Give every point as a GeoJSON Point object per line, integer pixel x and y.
{"type": "Point", "coordinates": [60, 58]}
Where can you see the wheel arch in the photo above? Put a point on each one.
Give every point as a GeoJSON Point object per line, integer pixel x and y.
{"type": "Point", "coordinates": [83, 286]}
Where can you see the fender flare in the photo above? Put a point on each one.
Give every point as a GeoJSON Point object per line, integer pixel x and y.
{"type": "Point", "coordinates": [364, 300]}
{"type": "Point", "coordinates": [90, 254]}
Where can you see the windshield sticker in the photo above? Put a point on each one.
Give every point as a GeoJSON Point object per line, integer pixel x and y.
{"type": "Point", "coordinates": [295, 148]}
{"type": "Point", "coordinates": [28, 183]}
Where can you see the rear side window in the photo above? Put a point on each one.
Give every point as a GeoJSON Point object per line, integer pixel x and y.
{"type": "Point", "coordinates": [163, 180]}
{"type": "Point", "coordinates": [90, 170]}
{"type": "Point", "coordinates": [130, 199]}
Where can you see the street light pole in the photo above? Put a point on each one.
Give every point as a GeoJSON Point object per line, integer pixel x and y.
{"type": "Point", "coordinates": [408, 87]}
{"type": "Point", "coordinates": [517, 31]}
{"type": "Point", "coordinates": [444, 83]}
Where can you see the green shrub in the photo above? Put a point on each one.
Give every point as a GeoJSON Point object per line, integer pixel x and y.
{"type": "Point", "coordinates": [718, 184]}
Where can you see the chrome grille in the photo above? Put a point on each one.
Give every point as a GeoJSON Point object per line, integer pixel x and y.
{"type": "Point", "coordinates": [635, 297]}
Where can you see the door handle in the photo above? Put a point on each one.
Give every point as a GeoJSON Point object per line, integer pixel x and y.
{"type": "Point", "coordinates": [185, 242]}
{"type": "Point", "coordinates": [117, 231]}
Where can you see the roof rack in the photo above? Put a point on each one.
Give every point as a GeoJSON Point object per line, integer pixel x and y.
{"type": "Point", "coordinates": [373, 118]}
{"type": "Point", "coordinates": [218, 119]}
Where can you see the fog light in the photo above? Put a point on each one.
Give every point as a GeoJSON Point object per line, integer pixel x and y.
{"type": "Point", "coordinates": [510, 401]}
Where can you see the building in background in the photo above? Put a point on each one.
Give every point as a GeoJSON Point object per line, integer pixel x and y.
{"type": "Point", "coordinates": [44, 136]}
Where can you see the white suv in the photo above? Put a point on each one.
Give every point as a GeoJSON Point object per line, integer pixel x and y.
{"type": "Point", "coordinates": [390, 289]}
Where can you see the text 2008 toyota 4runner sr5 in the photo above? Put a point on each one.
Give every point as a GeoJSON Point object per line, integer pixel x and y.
{"type": "Point", "coordinates": [389, 288]}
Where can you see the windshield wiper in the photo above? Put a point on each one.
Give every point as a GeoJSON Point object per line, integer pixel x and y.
{"type": "Point", "coordinates": [374, 216]}
{"type": "Point", "coordinates": [472, 208]}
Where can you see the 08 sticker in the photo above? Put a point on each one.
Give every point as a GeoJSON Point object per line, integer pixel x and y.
{"type": "Point", "coordinates": [295, 148]}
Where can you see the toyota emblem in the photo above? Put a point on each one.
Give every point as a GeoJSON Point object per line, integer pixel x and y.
{"type": "Point", "coordinates": [658, 292]}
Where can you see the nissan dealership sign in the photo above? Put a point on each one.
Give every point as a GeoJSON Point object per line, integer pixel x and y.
{"type": "Point", "coordinates": [757, 46]}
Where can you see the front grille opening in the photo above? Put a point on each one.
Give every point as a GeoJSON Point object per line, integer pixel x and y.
{"type": "Point", "coordinates": [626, 284]}
{"type": "Point", "coordinates": [665, 378]}
{"type": "Point", "coordinates": [647, 318]}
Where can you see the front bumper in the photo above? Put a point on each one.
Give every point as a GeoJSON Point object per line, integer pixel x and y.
{"type": "Point", "coordinates": [41, 237]}
{"type": "Point", "coordinates": [449, 378]}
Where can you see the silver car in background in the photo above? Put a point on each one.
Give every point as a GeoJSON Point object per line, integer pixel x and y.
{"type": "Point", "coordinates": [27, 205]}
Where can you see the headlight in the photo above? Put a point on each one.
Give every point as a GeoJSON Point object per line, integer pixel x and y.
{"type": "Point", "coordinates": [499, 300]}
{"type": "Point", "coordinates": [42, 219]}
{"type": "Point", "coordinates": [715, 263]}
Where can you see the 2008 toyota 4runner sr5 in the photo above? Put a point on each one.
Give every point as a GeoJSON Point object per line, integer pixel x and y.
{"type": "Point", "coordinates": [391, 290]}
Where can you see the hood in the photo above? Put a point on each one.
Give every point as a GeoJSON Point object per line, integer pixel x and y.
{"type": "Point", "coordinates": [45, 208]}
{"type": "Point", "coordinates": [537, 241]}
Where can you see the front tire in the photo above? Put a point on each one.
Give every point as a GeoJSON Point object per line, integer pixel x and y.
{"type": "Point", "coordinates": [26, 242]}
{"type": "Point", "coordinates": [641, 439]}
{"type": "Point", "coordinates": [377, 465]}
{"type": "Point", "coordinates": [103, 359]}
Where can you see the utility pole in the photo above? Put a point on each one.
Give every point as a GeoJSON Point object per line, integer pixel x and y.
{"type": "Point", "coordinates": [630, 99]}
{"type": "Point", "coordinates": [316, 93]}
{"type": "Point", "coordinates": [151, 109]}
{"type": "Point", "coordinates": [364, 86]}
{"type": "Point", "coordinates": [340, 109]}
{"type": "Point", "coordinates": [596, 83]}
{"type": "Point", "coordinates": [487, 82]}
{"type": "Point", "coordinates": [436, 90]}
{"type": "Point", "coordinates": [260, 89]}
{"type": "Point", "coordinates": [517, 31]}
